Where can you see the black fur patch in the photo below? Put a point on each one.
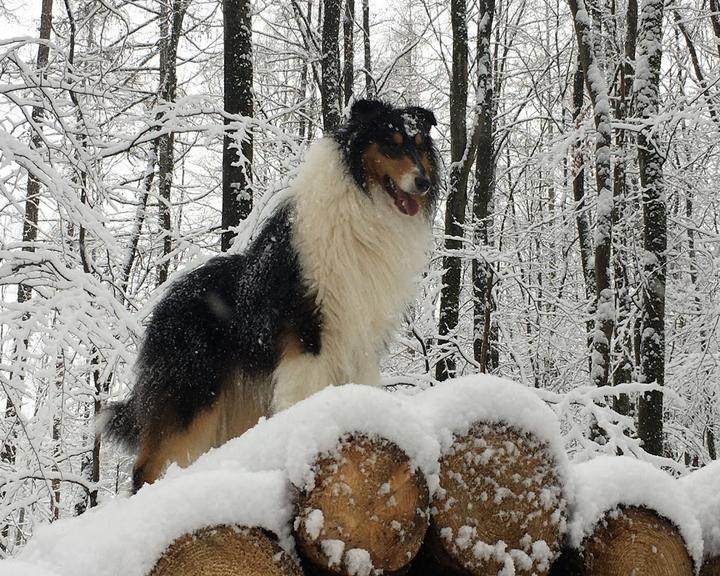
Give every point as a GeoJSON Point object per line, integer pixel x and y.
{"type": "Point", "coordinates": [224, 316]}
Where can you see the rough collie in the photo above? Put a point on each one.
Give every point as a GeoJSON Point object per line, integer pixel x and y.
{"type": "Point", "coordinates": [312, 302]}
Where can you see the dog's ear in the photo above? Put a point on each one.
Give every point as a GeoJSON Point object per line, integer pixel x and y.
{"type": "Point", "coordinates": [364, 110]}
{"type": "Point", "coordinates": [423, 118]}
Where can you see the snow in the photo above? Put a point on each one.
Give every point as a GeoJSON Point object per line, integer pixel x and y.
{"type": "Point", "coordinates": [333, 549]}
{"type": "Point", "coordinates": [703, 489]}
{"type": "Point", "coordinates": [18, 568]}
{"type": "Point", "coordinates": [451, 408]}
{"type": "Point", "coordinates": [358, 562]}
{"type": "Point", "coordinates": [607, 482]}
{"type": "Point", "coordinates": [314, 523]}
{"type": "Point", "coordinates": [126, 536]}
{"type": "Point", "coordinates": [292, 439]}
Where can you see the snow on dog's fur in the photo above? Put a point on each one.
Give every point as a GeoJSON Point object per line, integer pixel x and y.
{"type": "Point", "coordinates": [311, 303]}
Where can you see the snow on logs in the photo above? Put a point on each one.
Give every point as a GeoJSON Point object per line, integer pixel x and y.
{"type": "Point", "coordinates": [703, 488]}
{"type": "Point", "coordinates": [469, 477]}
{"type": "Point", "coordinates": [629, 517]}
{"type": "Point", "coordinates": [499, 504]}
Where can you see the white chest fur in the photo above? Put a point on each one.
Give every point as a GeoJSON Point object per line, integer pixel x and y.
{"type": "Point", "coordinates": [361, 256]}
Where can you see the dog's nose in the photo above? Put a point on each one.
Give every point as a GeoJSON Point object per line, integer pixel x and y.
{"type": "Point", "coordinates": [422, 184]}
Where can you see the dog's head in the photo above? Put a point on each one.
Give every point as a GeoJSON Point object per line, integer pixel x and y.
{"type": "Point", "coordinates": [389, 151]}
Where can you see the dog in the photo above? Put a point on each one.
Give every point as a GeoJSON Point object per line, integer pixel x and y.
{"type": "Point", "coordinates": [312, 302]}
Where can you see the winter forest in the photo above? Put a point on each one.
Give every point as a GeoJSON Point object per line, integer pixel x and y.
{"type": "Point", "coordinates": [577, 240]}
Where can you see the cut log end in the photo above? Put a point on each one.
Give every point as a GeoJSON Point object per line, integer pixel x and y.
{"type": "Point", "coordinates": [226, 551]}
{"type": "Point", "coordinates": [636, 541]}
{"type": "Point", "coordinates": [368, 508]}
{"type": "Point", "coordinates": [500, 505]}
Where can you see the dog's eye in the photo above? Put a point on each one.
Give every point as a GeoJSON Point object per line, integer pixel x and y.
{"type": "Point", "coordinates": [392, 148]}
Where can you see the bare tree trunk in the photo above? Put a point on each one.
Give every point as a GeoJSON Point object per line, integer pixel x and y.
{"type": "Point", "coordinates": [238, 97]}
{"type": "Point", "coordinates": [623, 370]}
{"type": "Point", "coordinates": [349, 52]}
{"type": "Point", "coordinates": [581, 215]}
{"type": "Point", "coordinates": [8, 452]}
{"type": "Point", "coordinates": [369, 82]}
{"type": "Point", "coordinates": [56, 389]}
{"type": "Point", "coordinates": [710, 440]}
{"type": "Point", "coordinates": [696, 66]}
{"type": "Point", "coordinates": [457, 191]}
{"type": "Point", "coordinates": [651, 160]}
{"type": "Point", "coordinates": [171, 19]}
{"type": "Point", "coordinates": [304, 127]}
{"type": "Point", "coordinates": [715, 20]}
{"type": "Point", "coordinates": [484, 351]}
{"type": "Point", "coordinates": [597, 88]}
{"type": "Point", "coordinates": [331, 66]}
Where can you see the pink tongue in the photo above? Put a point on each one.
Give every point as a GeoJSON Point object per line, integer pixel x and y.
{"type": "Point", "coordinates": [407, 203]}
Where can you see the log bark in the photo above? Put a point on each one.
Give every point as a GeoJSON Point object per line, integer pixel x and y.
{"type": "Point", "coordinates": [489, 503]}
{"type": "Point", "coordinates": [367, 504]}
{"type": "Point", "coordinates": [226, 551]}
{"type": "Point", "coordinates": [636, 541]}
{"type": "Point", "coordinates": [711, 567]}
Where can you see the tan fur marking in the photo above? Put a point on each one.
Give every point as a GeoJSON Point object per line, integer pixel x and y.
{"type": "Point", "coordinates": [236, 410]}
{"type": "Point", "coordinates": [242, 404]}
{"type": "Point", "coordinates": [290, 346]}
{"type": "Point", "coordinates": [418, 139]}
{"type": "Point", "coordinates": [397, 138]}
{"type": "Point", "coordinates": [181, 447]}
{"type": "Point", "coordinates": [378, 166]}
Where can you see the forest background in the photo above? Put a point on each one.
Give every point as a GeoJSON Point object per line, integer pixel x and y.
{"type": "Point", "coordinates": [577, 242]}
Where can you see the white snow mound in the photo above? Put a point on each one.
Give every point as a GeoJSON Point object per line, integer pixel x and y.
{"type": "Point", "coordinates": [703, 489]}
{"type": "Point", "coordinates": [606, 482]}
{"type": "Point", "coordinates": [126, 536]}
{"type": "Point", "coordinates": [17, 568]}
{"type": "Point", "coordinates": [452, 408]}
{"type": "Point", "coordinates": [292, 439]}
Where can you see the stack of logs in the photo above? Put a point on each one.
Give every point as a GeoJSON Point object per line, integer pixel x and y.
{"type": "Point", "coordinates": [369, 511]}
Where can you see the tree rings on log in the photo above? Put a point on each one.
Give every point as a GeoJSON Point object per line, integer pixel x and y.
{"type": "Point", "coordinates": [226, 551]}
{"type": "Point", "coordinates": [636, 541]}
{"type": "Point", "coordinates": [367, 510]}
{"type": "Point", "coordinates": [500, 504]}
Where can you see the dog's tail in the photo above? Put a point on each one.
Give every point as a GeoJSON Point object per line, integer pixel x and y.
{"type": "Point", "coordinates": [118, 421]}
